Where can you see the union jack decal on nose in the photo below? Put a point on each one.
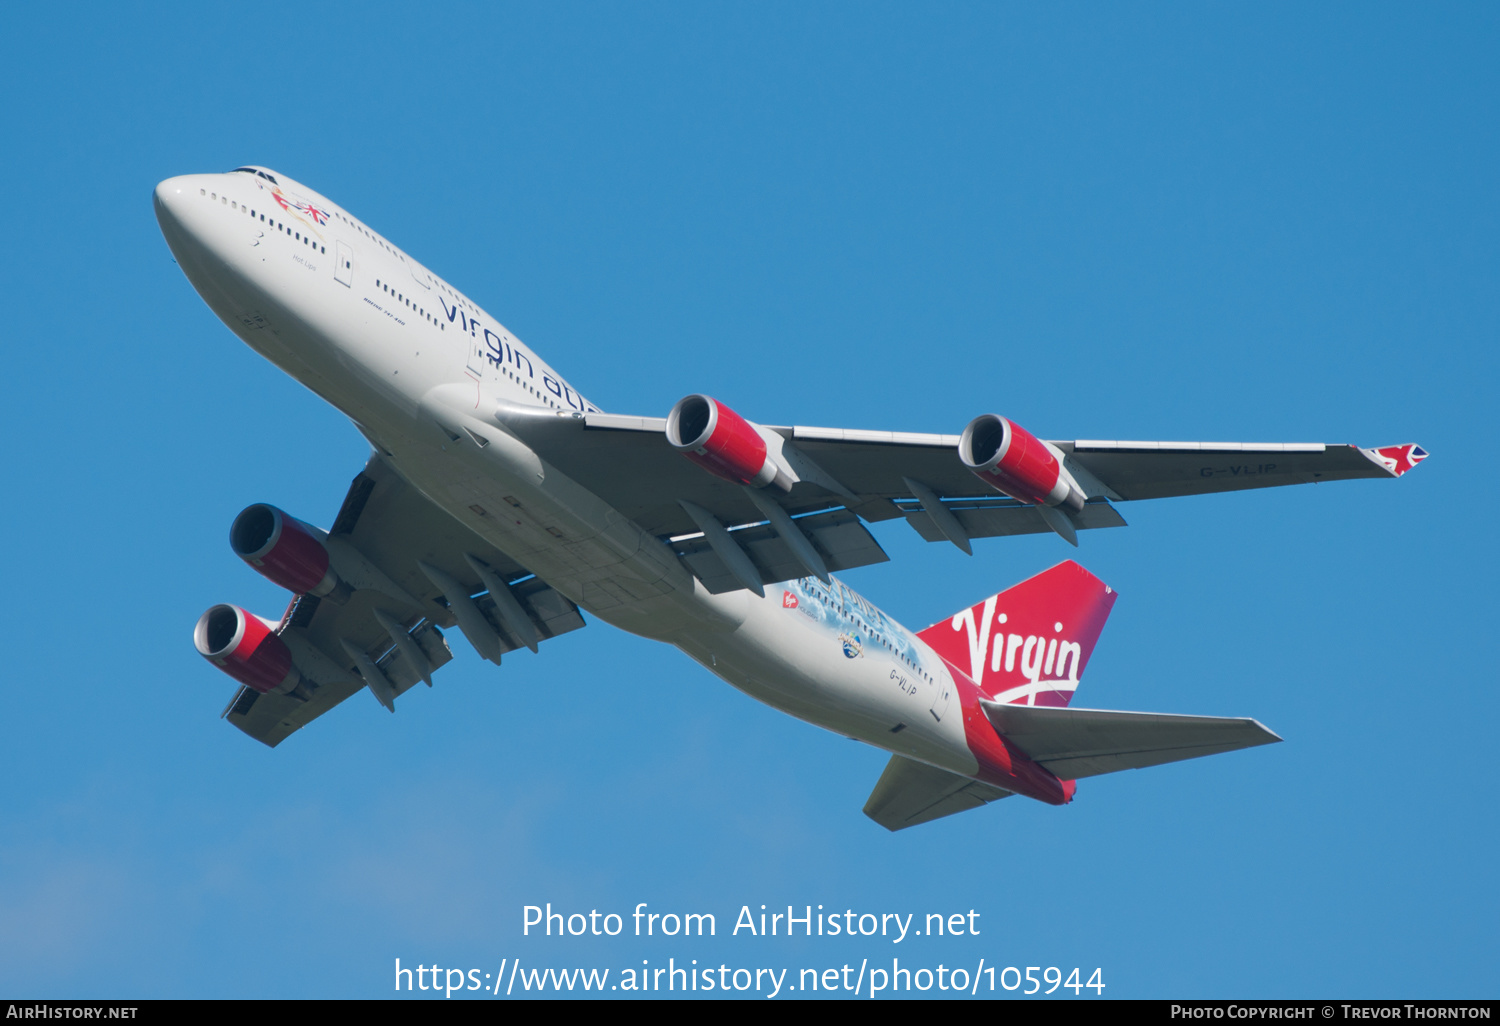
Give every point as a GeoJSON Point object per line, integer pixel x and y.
{"type": "Point", "coordinates": [320, 217]}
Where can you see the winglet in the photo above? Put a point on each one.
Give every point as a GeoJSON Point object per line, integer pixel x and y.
{"type": "Point", "coordinates": [1397, 459]}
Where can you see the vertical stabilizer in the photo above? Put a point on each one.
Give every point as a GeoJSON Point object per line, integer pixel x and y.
{"type": "Point", "coordinates": [1029, 644]}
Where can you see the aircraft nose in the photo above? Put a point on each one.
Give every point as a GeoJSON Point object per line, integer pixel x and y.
{"type": "Point", "coordinates": [168, 199]}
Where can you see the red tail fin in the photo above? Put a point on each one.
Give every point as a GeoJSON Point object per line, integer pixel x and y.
{"type": "Point", "coordinates": [1029, 644]}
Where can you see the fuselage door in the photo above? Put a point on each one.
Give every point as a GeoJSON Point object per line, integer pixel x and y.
{"type": "Point", "coordinates": [476, 359]}
{"type": "Point", "coordinates": [343, 263]}
{"type": "Point", "coordinates": [419, 274]}
{"type": "Point", "coordinates": [943, 692]}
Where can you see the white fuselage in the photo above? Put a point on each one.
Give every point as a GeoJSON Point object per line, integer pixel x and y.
{"type": "Point", "coordinates": [416, 366]}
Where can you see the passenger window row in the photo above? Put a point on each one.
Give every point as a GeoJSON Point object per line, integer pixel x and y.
{"type": "Point", "coordinates": [324, 249]}
{"type": "Point", "coordinates": [306, 240]}
{"type": "Point", "coordinates": [386, 288]}
{"type": "Point", "coordinates": [365, 232]}
{"type": "Point", "coordinates": [543, 396]}
{"type": "Point", "coordinates": [352, 223]}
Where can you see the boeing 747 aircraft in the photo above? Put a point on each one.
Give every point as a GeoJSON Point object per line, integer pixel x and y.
{"type": "Point", "coordinates": [499, 501]}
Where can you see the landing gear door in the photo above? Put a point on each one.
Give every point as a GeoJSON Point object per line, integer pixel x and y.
{"type": "Point", "coordinates": [343, 263]}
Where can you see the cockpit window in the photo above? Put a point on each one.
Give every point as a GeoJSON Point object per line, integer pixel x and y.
{"type": "Point", "coordinates": [255, 171]}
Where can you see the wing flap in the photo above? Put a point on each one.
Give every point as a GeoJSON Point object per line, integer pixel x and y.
{"type": "Point", "coordinates": [1076, 743]}
{"type": "Point", "coordinates": [838, 536]}
{"type": "Point", "coordinates": [551, 613]}
{"type": "Point", "coordinates": [992, 518]}
{"type": "Point", "coordinates": [271, 718]}
{"type": "Point", "coordinates": [911, 792]}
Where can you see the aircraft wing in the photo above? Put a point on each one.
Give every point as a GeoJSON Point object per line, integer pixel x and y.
{"type": "Point", "coordinates": [1157, 470]}
{"type": "Point", "coordinates": [843, 476]}
{"type": "Point", "coordinates": [911, 792]}
{"type": "Point", "coordinates": [1075, 743]}
{"type": "Point", "coordinates": [383, 534]}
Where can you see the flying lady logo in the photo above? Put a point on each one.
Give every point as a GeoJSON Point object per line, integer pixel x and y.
{"type": "Point", "coordinates": [1398, 459]}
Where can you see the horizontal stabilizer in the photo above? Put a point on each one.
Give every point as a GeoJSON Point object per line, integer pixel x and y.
{"type": "Point", "coordinates": [1076, 743]}
{"type": "Point", "coordinates": [911, 792]}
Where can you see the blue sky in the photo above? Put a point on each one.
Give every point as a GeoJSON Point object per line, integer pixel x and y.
{"type": "Point", "coordinates": [1225, 222]}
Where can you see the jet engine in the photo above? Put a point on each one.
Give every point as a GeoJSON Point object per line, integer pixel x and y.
{"type": "Point", "coordinates": [1006, 456]}
{"type": "Point", "coordinates": [246, 648]}
{"type": "Point", "coordinates": [723, 443]}
{"type": "Point", "coordinates": [284, 550]}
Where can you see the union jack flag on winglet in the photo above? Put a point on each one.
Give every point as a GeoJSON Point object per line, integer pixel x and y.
{"type": "Point", "coordinates": [1398, 459]}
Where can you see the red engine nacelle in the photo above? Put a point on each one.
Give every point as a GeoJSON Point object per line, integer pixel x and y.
{"type": "Point", "coordinates": [284, 550]}
{"type": "Point", "coordinates": [1006, 456]}
{"type": "Point", "coordinates": [245, 648]}
{"type": "Point", "coordinates": [723, 443]}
